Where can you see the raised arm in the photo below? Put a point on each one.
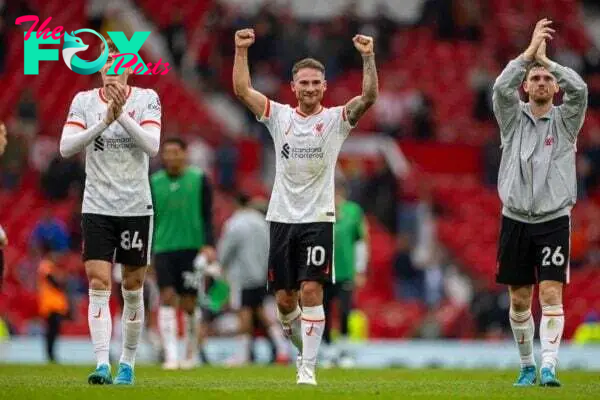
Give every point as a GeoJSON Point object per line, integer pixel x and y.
{"type": "Point", "coordinates": [505, 93]}
{"type": "Point", "coordinates": [242, 86]}
{"type": "Point", "coordinates": [356, 107]}
{"type": "Point", "coordinates": [575, 99]}
{"type": "Point", "coordinates": [75, 134]}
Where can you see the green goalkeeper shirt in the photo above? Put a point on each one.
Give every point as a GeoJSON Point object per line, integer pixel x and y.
{"type": "Point", "coordinates": [182, 210]}
{"type": "Point", "coordinates": [350, 227]}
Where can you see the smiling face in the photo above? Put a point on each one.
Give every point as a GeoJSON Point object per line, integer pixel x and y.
{"type": "Point", "coordinates": [540, 85]}
{"type": "Point", "coordinates": [309, 85]}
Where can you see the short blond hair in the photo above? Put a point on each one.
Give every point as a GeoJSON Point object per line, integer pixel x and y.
{"type": "Point", "coordinates": [308, 63]}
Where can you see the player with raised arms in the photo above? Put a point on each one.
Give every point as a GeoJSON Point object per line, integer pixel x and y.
{"type": "Point", "coordinates": [118, 126]}
{"type": "Point", "coordinates": [537, 186]}
{"type": "Point", "coordinates": [301, 211]}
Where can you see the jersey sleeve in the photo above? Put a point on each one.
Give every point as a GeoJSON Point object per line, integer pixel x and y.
{"type": "Point", "coordinates": [152, 111]}
{"type": "Point", "coordinates": [76, 115]}
{"type": "Point", "coordinates": [344, 124]}
{"type": "Point", "coordinates": [273, 116]}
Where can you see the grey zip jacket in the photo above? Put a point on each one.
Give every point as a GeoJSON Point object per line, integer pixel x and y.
{"type": "Point", "coordinates": [536, 181]}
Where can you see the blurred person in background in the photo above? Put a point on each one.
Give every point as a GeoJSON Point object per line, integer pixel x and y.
{"type": "Point", "coordinates": [351, 258]}
{"type": "Point", "coordinates": [243, 253]}
{"type": "Point", "coordinates": [52, 292]}
{"type": "Point", "coordinates": [182, 197]}
{"type": "Point", "coordinates": [537, 187]}
{"type": "Point", "coordinates": [3, 237]}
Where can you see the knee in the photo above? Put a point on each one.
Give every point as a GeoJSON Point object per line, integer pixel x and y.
{"type": "Point", "coordinates": [188, 303]}
{"type": "Point", "coordinates": [133, 282]}
{"type": "Point", "coordinates": [286, 301]}
{"type": "Point", "coordinates": [311, 294]}
{"type": "Point", "coordinates": [168, 297]}
{"type": "Point", "coordinates": [98, 282]}
{"type": "Point", "coordinates": [551, 295]}
{"type": "Point", "coordinates": [520, 303]}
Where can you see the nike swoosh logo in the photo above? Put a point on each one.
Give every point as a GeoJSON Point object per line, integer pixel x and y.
{"type": "Point", "coordinates": [99, 313]}
{"type": "Point", "coordinates": [555, 339]}
{"type": "Point", "coordinates": [309, 331]}
{"type": "Point", "coordinates": [133, 317]}
{"type": "Point", "coordinates": [522, 340]}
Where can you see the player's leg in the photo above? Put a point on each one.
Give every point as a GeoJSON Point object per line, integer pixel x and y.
{"type": "Point", "coordinates": [258, 296]}
{"type": "Point", "coordinates": [329, 352]}
{"type": "Point", "coordinates": [314, 258]}
{"type": "Point", "coordinates": [186, 285]}
{"type": "Point", "coordinates": [99, 243]}
{"type": "Point", "coordinates": [282, 279]}
{"type": "Point", "coordinates": [52, 331]}
{"type": "Point", "coordinates": [167, 311]}
{"type": "Point", "coordinates": [516, 269]}
{"type": "Point", "coordinates": [134, 254]}
{"type": "Point", "coordinates": [553, 250]}
{"type": "Point", "coordinates": [346, 291]}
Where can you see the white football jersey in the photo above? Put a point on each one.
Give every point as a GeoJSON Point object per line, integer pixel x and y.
{"type": "Point", "coordinates": [307, 147]}
{"type": "Point", "coordinates": [117, 182]}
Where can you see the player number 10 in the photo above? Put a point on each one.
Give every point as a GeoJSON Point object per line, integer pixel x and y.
{"type": "Point", "coordinates": [316, 256]}
{"type": "Point", "coordinates": [128, 243]}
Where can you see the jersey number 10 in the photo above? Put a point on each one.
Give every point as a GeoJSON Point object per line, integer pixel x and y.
{"type": "Point", "coordinates": [315, 256]}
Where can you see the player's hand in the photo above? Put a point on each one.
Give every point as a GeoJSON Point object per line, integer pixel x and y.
{"type": "Point", "coordinates": [116, 92]}
{"type": "Point", "coordinates": [113, 112]}
{"type": "Point", "coordinates": [244, 38]}
{"type": "Point", "coordinates": [541, 33]}
{"type": "Point", "coordinates": [209, 253]}
{"type": "Point", "coordinates": [364, 44]}
{"type": "Point", "coordinates": [540, 54]}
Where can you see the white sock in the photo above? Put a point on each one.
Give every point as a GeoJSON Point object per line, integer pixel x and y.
{"type": "Point", "coordinates": [245, 340]}
{"type": "Point", "coordinates": [523, 330]}
{"type": "Point", "coordinates": [278, 338]}
{"type": "Point", "coordinates": [293, 321]}
{"type": "Point", "coordinates": [551, 330]}
{"type": "Point", "coordinates": [313, 325]}
{"type": "Point", "coordinates": [190, 335]}
{"type": "Point", "coordinates": [100, 324]}
{"type": "Point", "coordinates": [167, 324]}
{"type": "Point", "coordinates": [133, 322]}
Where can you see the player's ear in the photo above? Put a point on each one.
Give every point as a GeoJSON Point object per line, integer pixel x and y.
{"type": "Point", "coordinates": [292, 86]}
{"type": "Point", "coordinates": [324, 85]}
{"type": "Point", "coordinates": [525, 86]}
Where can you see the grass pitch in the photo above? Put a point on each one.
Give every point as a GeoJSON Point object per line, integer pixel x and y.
{"type": "Point", "coordinates": [70, 382]}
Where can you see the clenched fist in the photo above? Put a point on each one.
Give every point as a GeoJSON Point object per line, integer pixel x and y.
{"type": "Point", "coordinates": [364, 44]}
{"type": "Point", "coordinates": [244, 38]}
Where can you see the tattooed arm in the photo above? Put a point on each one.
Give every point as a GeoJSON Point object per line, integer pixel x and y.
{"type": "Point", "coordinates": [356, 107]}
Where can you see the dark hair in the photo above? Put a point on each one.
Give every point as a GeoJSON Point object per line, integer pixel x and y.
{"type": "Point", "coordinates": [531, 66]}
{"type": "Point", "coordinates": [308, 63]}
{"type": "Point", "coordinates": [242, 199]}
{"type": "Point", "coordinates": [112, 47]}
{"type": "Point", "coordinates": [176, 140]}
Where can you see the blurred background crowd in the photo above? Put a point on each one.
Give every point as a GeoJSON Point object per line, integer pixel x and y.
{"type": "Point", "coordinates": [432, 204]}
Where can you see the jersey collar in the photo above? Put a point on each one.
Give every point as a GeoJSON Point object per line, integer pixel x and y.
{"type": "Point", "coordinates": [105, 100]}
{"type": "Point", "coordinates": [303, 115]}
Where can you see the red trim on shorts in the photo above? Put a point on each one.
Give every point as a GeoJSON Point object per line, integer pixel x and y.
{"type": "Point", "coordinates": [150, 121]}
{"type": "Point", "coordinates": [344, 116]}
{"type": "Point", "coordinates": [552, 315]}
{"type": "Point", "coordinates": [79, 124]}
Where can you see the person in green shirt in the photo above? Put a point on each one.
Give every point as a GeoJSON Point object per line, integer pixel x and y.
{"type": "Point", "coordinates": [350, 262]}
{"type": "Point", "coordinates": [183, 237]}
